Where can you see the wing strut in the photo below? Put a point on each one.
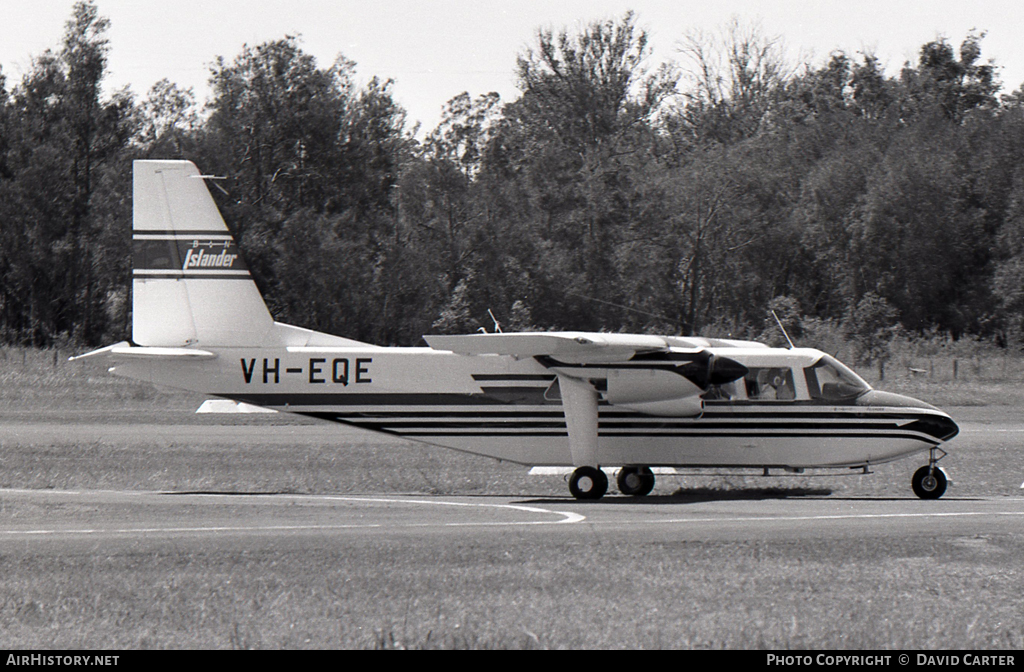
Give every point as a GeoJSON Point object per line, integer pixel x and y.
{"type": "Point", "coordinates": [579, 403]}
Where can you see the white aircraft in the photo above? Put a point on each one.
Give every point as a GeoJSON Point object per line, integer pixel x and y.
{"type": "Point", "coordinates": [569, 399]}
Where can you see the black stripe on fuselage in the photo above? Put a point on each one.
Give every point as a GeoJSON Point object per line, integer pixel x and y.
{"type": "Point", "coordinates": [400, 400]}
{"type": "Point", "coordinates": [397, 414]}
{"type": "Point", "coordinates": [549, 429]}
{"type": "Point", "coordinates": [526, 426]}
{"type": "Point", "coordinates": [405, 403]}
{"type": "Point", "coordinates": [513, 377]}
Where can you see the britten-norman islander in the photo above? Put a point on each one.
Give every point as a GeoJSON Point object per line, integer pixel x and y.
{"type": "Point", "coordinates": [587, 401]}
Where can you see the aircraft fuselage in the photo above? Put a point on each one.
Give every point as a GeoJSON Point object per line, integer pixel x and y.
{"type": "Point", "coordinates": [511, 408]}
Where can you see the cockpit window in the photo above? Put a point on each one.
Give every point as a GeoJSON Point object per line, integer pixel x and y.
{"type": "Point", "coordinates": [830, 380]}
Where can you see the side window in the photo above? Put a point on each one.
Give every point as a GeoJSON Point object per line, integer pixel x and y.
{"type": "Point", "coordinates": [726, 392]}
{"type": "Point", "coordinates": [770, 384]}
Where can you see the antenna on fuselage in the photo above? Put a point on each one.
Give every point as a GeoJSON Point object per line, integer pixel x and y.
{"type": "Point", "coordinates": [497, 327]}
{"type": "Point", "coordinates": [783, 329]}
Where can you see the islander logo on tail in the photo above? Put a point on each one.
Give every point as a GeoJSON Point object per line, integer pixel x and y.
{"type": "Point", "coordinates": [173, 254]}
{"type": "Point", "coordinates": [198, 257]}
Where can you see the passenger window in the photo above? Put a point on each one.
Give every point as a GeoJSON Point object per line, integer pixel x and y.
{"type": "Point", "coordinates": [770, 384]}
{"type": "Point", "coordinates": [726, 392]}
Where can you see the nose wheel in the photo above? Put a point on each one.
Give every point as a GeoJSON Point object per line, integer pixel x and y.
{"type": "Point", "coordinates": [929, 482]}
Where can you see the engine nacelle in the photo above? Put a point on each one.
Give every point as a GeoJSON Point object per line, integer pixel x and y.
{"type": "Point", "coordinates": [654, 392]}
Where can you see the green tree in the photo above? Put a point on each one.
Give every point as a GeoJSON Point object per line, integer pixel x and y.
{"type": "Point", "coordinates": [954, 87]}
{"type": "Point", "coordinates": [872, 323]}
{"type": "Point", "coordinates": [274, 124]}
{"type": "Point", "coordinates": [733, 82]}
{"type": "Point", "coordinates": [440, 199]}
{"type": "Point", "coordinates": [168, 121]}
{"type": "Point", "coordinates": [1008, 278]}
{"type": "Point", "coordinates": [564, 161]}
{"type": "Point", "coordinates": [313, 158]}
{"type": "Point", "coordinates": [63, 136]}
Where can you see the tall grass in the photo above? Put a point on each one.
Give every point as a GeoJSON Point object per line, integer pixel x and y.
{"type": "Point", "coordinates": [526, 590]}
{"type": "Point", "coordinates": [44, 381]}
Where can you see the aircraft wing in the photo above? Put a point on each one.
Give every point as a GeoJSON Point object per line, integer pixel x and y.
{"type": "Point", "coordinates": [592, 367]}
{"type": "Point", "coordinates": [566, 346]}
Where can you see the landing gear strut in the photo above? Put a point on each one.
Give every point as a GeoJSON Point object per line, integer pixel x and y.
{"type": "Point", "coordinates": [635, 481]}
{"type": "Point", "coordinates": [929, 482]}
{"type": "Point", "coordinates": [588, 483]}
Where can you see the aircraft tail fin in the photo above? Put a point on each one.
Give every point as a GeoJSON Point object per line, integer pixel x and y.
{"type": "Point", "coordinates": [190, 284]}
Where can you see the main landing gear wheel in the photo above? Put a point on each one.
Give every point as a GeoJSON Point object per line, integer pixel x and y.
{"type": "Point", "coordinates": [588, 483]}
{"type": "Point", "coordinates": [635, 481]}
{"type": "Point", "coordinates": [929, 482]}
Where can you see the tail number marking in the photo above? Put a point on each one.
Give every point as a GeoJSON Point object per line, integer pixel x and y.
{"type": "Point", "coordinates": [340, 371]}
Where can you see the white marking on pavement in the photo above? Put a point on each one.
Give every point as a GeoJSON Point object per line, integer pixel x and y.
{"type": "Point", "coordinates": [566, 517]}
{"type": "Point", "coordinates": [843, 516]}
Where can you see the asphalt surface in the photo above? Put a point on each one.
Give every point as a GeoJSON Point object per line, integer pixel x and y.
{"type": "Point", "coordinates": [40, 516]}
{"type": "Point", "coordinates": [33, 517]}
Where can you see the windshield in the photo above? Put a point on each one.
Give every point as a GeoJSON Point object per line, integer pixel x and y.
{"type": "Point", "coordinates": [829, 379]}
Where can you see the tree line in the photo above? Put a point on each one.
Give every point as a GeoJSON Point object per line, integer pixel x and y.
{"type": "Point", "coordinates": [689, 198]}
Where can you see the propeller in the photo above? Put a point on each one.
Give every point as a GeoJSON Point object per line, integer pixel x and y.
{"type": "Point", "coordinates": [715, 370]}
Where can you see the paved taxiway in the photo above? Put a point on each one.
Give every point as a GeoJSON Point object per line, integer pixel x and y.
{"type": "Point", "coordinates": [32, 516]}
{"type": "Point", "coordinates": [113, 518]}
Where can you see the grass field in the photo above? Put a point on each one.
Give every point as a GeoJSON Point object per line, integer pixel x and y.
{"type": "Point", "coordinates": [522, 590]}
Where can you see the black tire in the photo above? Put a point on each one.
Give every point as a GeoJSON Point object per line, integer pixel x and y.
{"type": "Point", "coordinates": [635, 481]}
{"type": "Point", "coordinates": [588, 483]}
{"type": "Point", "coordinates": [929, 482]}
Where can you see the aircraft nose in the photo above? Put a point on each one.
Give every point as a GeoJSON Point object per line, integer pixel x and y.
{"type": "Point", "coordinates": [938, 425]}
{"type": "Point", "coordinates": [941, 427]}
{"type": "Point", "coordinates": [946, 424]}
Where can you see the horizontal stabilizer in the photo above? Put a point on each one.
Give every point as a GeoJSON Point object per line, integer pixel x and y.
{"type": "Point", "coordinates": [567, 346]}
{"type": "Point", "coordinates": [230, 406]}
{"type": "Point", "coordinates": [126, 350]}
